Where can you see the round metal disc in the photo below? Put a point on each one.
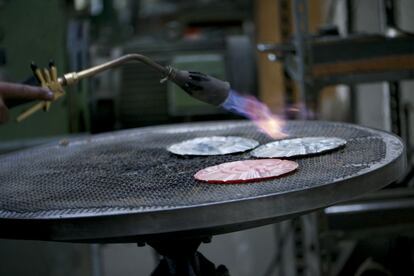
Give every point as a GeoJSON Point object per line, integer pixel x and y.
{"type": "Point", "coordinates": [298, 147]}
{"type": "Point", "coordinates": [246, 171]}
{"type": "Point", "coordinates": [214, 145]}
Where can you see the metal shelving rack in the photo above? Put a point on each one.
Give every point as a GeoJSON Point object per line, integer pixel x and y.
{"type": "Point", "coordinates": [315, 61]}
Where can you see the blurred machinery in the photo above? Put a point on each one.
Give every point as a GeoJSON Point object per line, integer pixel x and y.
{"type": "Point", "coordinates": [217, 43]}
{"type": "Point", "coordinates": [373, 233]}
{"type": "Point", "coordinates": [164, 103]}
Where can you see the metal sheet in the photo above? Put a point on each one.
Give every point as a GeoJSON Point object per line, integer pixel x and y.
{"type": "Point", "coordinates": [298, 147]}
{"type": "Point", "coordinates": [124, 186]}
{"type": "Point", "coordinates": [246, 171]}
{"type": "Point", "coordinates": [214, 145]}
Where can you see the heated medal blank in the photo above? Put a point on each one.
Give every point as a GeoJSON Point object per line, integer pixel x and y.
{"type": "Point", "coordinates": [298, 147]}
{"type": "Point", "coordinates": [246, 171]}
{"type": "Point", "coordinates": [214, 145]}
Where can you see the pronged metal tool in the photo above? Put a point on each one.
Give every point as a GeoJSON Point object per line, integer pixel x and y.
{"type": "Point", "coordinates": [48, 78]}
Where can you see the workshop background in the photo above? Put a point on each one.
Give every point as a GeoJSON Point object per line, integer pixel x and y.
{"type": "Point", "coordinates": [228, 39]}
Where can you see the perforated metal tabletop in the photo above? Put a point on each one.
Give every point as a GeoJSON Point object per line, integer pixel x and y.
{"type": "Point", "coordinates": [125, 186]}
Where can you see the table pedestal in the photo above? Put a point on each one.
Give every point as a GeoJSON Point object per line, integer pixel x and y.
{"type": "Point", "coordinates": [180, 257]}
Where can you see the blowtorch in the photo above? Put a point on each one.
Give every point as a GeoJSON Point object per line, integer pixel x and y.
{"type": "Point", "coordinates": [198, 85]}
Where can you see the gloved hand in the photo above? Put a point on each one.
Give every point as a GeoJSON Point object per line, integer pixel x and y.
{"type": "Point", "coordinates": [10, 91]}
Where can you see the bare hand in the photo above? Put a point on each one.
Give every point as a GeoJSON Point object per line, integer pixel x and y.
{"type": "Point", "coordinates": [20, 91]}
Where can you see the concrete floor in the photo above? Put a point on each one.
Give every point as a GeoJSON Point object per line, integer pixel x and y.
{"type": "Point", "coordinates": [244, 253]}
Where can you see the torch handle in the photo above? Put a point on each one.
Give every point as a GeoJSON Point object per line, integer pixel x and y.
{"type": "Point", "coordinates": [10, 103]}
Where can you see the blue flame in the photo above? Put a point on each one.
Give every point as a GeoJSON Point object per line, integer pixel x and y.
{"type": "Point", "coordinates": [258, 112]}
{"type": "Point", "coordinates": [236, 103]}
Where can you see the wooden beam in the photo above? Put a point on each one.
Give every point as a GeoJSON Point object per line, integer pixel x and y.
{"type": "Point", "coordinates": [270, 74]}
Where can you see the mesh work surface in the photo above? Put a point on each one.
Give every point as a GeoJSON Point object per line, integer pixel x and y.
{"type": "Point", "coordinates": [132, 172]}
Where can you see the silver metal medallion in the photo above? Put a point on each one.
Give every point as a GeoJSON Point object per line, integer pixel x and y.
{"type": "Point", "coordinates": [297, 147]}
{"type": "Point", "coordinates": [214, 145]}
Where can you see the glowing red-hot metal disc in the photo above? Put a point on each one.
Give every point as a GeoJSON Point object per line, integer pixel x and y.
{"type": "Point", "coordinates": [246, 171]}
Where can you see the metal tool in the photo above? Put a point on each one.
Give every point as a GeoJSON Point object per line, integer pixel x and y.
{"type": "Point", "coordinates": [200, 86]}
{"type": "Point", "coordinates": [48, 78]}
